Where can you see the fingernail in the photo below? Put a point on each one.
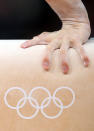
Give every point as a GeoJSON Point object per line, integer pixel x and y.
{"type": "Point", "coordinates": [65, 68]}
{"type": "Point", "coordinates": [86, 61]}
{"type": "Point", "coordinates": [46, 65]}
{"type": "Point", "coordinates": [24, 45]}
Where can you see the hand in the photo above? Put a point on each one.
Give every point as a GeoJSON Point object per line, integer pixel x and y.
{"type": "Point", "coordinates": [73, 34]}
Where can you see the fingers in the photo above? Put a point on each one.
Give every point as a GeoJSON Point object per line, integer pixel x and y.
{"type": "Point", "coordinates": [80, 49]}
{"type": "Point", "coordinates": [64, 58]}
{"type": "Point", "coordinates": [48, 54]}
{"type": "Point", "coordinates": [44, 34]}
{"type": "Point", "coordinates": [46, 60]}
{"type": "Point", "coordinates": [35, 41]}
{"type": "Point", "coordinates": [30, 42]}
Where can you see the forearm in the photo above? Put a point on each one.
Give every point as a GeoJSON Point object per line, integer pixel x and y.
{"type": "Point", "coordinates": [69, 10]}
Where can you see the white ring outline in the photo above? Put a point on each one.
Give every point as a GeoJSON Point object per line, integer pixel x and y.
{"type": "Point", "coordinates": [64, 87]}
{"type": "Point", "coordinates": [9, 90]}
{"type": "Point", "coordinates": [25, 117]}
{"type": "Point", "coordinates": [46, 90]}
{"type": "Point", "coordinates": [56, 116]}
{"type": "Point", "coordinates": [37, 107]}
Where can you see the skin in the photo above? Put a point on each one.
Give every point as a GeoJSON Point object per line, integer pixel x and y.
{"type": "Point", "coordinates": [73, 34]}
{"type": "Point", "coordinates": [17, 69]}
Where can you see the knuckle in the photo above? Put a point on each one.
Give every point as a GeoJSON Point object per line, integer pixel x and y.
{"type": "Point", "coordinates": [35, 38]}
{"type": "Point", "coordinates": [63, 51]}
{"type": "Point", "coordinates": [75, 42]}
{"type": "Point", "coordinates": [82, 51]}
{"type": "Point", "coordinates": [49, 47]}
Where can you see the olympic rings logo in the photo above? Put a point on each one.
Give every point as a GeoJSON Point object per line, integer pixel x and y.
{"type": "Point", "coordinates": [36, 105]}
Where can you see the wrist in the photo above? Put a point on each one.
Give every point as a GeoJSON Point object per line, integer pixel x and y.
{"type": "Point", "coordinates": [81, 28]}
{"type": "Point", "coordinates": [76, 24]}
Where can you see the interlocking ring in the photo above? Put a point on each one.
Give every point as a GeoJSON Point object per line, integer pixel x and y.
{"type": "Point", "coordinates": [56, 116]}
{"type": "Point", "coordinates": [9, 90]}
{"type": "Point", "coordinates": [36, 105]}
{"type": "Point", "coordinates": [42, 88]}
{"type": "Point", "coordinates": [67, 88]}
{"type": "Point", "coordinates": [25, 117]}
